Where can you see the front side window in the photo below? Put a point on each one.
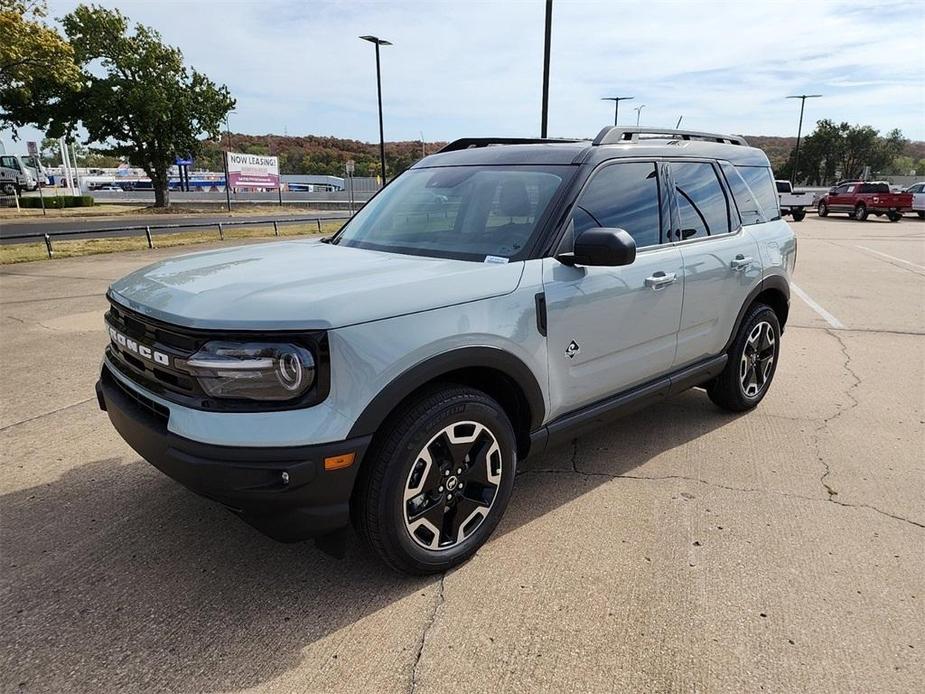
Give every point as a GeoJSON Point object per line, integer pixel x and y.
{"type": "Point", "coordinates": [702, 204]}
{"type": "Point", "coordinates": [463, 212]}
{"type": "Point", "coordinates": [760, 180]}
{"type": "Point", "coordinates": [621, 196]}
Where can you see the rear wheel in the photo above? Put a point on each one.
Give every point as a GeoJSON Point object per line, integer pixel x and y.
{"type": "Point", "coordinates": [894, 216]}
{"type": "Point", "coordinates": [822, 209]}
{"type": "Point", "coordinates": [752, 362]}
{"type": "Point", "coordinates": [860, 212]}
{"type": "Point", "coordinates": [798, 214]}
{"type": "Point", "coordinates": [434, 488]}
{"type": "Point", "coordinates": [921, 215]}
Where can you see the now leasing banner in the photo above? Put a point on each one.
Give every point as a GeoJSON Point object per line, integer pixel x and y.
{"type": "Point", "coordinates": [252, 171]}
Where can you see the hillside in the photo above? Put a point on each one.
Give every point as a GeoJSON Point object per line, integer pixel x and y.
{"type": "Point", "coordinates": [318, 154]}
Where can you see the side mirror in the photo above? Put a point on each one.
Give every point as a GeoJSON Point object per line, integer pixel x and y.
{"type": "Point", "coordinates": [601, 246]}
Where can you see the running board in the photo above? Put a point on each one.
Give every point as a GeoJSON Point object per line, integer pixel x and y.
{"type": "Point", "coordinates": [573, 424]}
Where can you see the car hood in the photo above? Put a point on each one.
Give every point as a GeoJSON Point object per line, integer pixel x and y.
{"type": "Point", "coordinates": [304, 285]}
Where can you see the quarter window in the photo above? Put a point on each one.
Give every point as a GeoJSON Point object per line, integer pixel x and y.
{"type": "Point", "coordinates": [621, 196]}
{"type": "Point", "coordinates": [760, 180]}
{"type": "Point", "coordinates": [702, 204]}
{"type": "Point", "coordinates": [745, 200]}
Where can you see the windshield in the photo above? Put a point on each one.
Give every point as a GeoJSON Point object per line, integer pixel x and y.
{"type": "Point", "coordinates": [481, 213]}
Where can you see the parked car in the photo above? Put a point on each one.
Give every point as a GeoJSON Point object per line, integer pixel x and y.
{"type": "Point", "coordinates": [15, 175]}
{"type": "Point", "coordinates": [395, 374]}
{"type": "Point", "coordinates": [862, 198]}
{"type": "Point", "coordinates": [111, 188]}
{"type": "Point", "coordinates": [793, 203]}
{"type": "Point", "coordinates": [918, 198]}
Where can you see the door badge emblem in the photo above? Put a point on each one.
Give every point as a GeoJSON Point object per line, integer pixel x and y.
{"type": "Point", "coordinates": [572, 349]}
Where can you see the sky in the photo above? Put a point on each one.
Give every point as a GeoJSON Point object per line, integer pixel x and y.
{"type": "Point", "coordinates": [470, 69]}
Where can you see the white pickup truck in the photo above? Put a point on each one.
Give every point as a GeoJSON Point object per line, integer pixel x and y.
{"type": "Point", "coordinates": [918, 198]}
{"type": "Point", "coordinates": [793, 203]}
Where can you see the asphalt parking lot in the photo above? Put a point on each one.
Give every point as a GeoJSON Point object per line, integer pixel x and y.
{"type": "Point", "coordinates": [682, 549]}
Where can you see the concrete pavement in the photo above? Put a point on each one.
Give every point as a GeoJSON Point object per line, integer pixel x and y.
{"type": "Point", "coordinates": [681, 549]}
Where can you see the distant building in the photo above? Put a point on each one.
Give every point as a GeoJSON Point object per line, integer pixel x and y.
{"type": "Point", "coordinates": [313, 183]}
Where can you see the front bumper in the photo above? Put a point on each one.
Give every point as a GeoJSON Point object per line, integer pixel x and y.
{"type": "Point", "coordinates": [248, 480]}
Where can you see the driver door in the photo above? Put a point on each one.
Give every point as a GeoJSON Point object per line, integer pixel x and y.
{"type": "Point", "coordinates": [611, 328]}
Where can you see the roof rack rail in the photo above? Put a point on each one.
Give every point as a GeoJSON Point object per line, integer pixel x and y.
{"type": "Point", "coordinates": [613, 134]}
{"type": "Point", "coordinates": [471, 142]}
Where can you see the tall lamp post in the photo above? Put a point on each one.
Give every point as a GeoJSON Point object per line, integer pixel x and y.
{"type": "Point", "coordinates": [375, 40]}
{"type": "Point", "coordinates": [616, 104]}
{"type": "Point", "coordinates": [638, 111]}
{"type": "Point", "coordinates": [796, 153]}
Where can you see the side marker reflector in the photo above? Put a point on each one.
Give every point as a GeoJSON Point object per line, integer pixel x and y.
{"type": "Point", "coordinates": [338, 462]}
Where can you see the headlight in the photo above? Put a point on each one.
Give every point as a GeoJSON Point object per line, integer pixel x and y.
{"type": "Point", "coordinates": [253, 370]}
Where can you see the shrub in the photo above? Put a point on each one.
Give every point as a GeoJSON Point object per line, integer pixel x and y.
{"type": "Point", "coordinates": [57, 202]}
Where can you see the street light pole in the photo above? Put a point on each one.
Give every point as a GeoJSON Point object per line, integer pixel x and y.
{"type": "Point", "coordinates": [638, 111]}
{"type": "Point", "coordinates": [545, 116]}
{"type": "Point", "coordinates": [616, 104]}
{"type": "Point", "coordinates": [375, 40]}
{"type": "Point", "coordinates": [796, 153]}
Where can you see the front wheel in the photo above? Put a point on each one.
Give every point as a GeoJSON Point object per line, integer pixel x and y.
{"type": "Point", "coordinates": [752, 362]}
{"type": "Point", "coordinates": [823, 209]}
{"type": "Point", "coordinates": [860, 212]}
{"type": "Point", "coordinates": [435, 486]}
{"type": "Point", "coordinates": [9, 189]}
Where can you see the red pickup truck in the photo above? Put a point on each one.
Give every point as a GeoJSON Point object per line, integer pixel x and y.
{"type": "Point", "coordinates": [861, 198]}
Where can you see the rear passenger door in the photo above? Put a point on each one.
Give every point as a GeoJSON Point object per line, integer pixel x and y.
{"type": "Point", "coordinates": [721, 261]}
{"type": "Point", "coordinates": [610, 328]}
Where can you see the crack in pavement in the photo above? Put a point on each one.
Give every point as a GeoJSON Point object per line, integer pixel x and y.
{"type": "Point", "coordinates": [717, 485]}
{"type": "Point", "coordinates": [824, 425]}
{"type": "Point", "coordinates": [438, 603]}
{"type": "Point", "coordinates": [46, 414]}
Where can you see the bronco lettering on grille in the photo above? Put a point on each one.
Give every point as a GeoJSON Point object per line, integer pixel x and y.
{"type": "Point", "coordinates": [130, 345]}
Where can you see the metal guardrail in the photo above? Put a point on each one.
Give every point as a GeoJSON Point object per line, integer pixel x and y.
{"type": "Point", "coordinates": [48, 236]}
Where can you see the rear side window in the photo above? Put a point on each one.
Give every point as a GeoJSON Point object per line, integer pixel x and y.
{"type": "Point", "coordinates": [701, 201]}
{"type": "Point", "coordinates": [745, 200]}
{"type": "Point", "coordinates": [874, 188]}
{"type": "Point", "coordinates": [761, 182]}
{"type": "Point", "coordinates": [621, 196]}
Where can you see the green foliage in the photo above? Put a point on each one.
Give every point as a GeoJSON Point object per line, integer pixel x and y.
{"type": "Point", "coordinates": [57, 202]}
{"type": "Point", "coordinates": [135, 95]}
{"type": "Point", "coordinates": [36, 65]}
{"type": "Point", "coordinates": [50, 154]}
{"type": "Point", "coordinates": [840, 151]}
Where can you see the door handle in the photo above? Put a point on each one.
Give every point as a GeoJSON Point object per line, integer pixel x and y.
{"type": "Point", "coordinates": [660, 279]}
{"type": "Point", "coordinates": [741, 262]}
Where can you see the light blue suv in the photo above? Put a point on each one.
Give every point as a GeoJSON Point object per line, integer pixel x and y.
{"type": "Point", "coordinates": [498, 297]}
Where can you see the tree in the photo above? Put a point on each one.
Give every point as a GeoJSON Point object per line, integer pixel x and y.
{"type": "Point", "coordinates": [136, 97]}
{"type": "Point", "coordinates": [36, 65]}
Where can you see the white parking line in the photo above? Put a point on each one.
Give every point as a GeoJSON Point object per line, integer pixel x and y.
{"type": "Point", "coordinates": [891, 257]}
{"type": "Point", "coordinates": [826, 316]}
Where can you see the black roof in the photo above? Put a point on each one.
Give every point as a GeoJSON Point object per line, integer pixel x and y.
{"type": "Point", "coordinates": [611, 143]}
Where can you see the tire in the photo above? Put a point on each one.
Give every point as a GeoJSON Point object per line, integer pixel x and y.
{"type": "Point", "coordinates": [746, 379]}
{"type": "Point", "coordinates": [798, 215]}
{"type": "Point", "coordinates": [860, 212]}
{"type": "Point", "coordinates": [412, 467]}
{"type": "Point", "coordinates": [9, 189]}
{"type": "Point", "coordinates": [822, 210]}
{"type": "Point", "coordinates": [921, 214]}
{"type": "Point", "coordinates": [894, 216]}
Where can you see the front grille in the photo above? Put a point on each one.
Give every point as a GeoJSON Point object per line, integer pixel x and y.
{"type": "Point", "coordinates": [164, 379]}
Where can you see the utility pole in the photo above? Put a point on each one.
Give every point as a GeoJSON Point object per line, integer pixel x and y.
{"type": "Point", "coordinates": [616, 104]}
{"type": "Point", "coordinates": [796, 153]}
{"type": "Point", "coordinates": [544, 129]}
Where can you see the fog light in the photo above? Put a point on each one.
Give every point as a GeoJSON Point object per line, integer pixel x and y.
{"type": "Point", "coordinates": [338, 462]}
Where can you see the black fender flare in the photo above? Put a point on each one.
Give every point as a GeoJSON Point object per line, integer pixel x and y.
{"type": "Point", "coordinates": [775, 282]}
{"type": "Point", "coordinates": [439, 365]}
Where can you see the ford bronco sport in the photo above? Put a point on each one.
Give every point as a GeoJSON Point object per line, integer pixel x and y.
{"type": "Point", "coordinates": [498, 297]}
